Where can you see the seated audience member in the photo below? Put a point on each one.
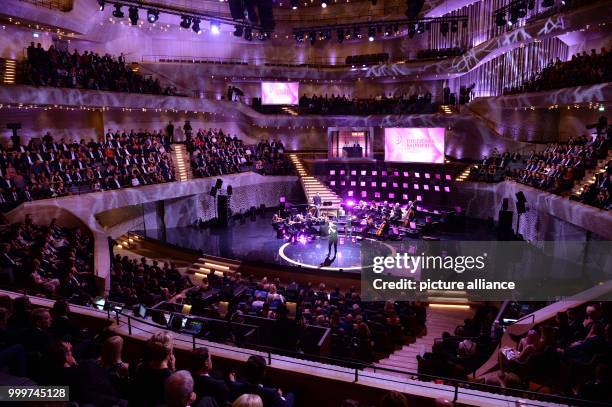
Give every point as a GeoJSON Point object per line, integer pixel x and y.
{"type": "Point", "coordinates": [158, 364]}
{"type": "Point", "coordinates": [251, 381]}
{"type": "Point", "coordinates": [178, 391]}
{"type": "Point", "coordinates": [204, 383]}
{"type": "Point", "coordinates": [394, 399]}
{"type": "Point", "coordinates": [248, 400]}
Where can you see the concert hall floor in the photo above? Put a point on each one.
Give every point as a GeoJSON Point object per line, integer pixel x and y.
{"type": "Point", "coordinates": [256, 242]}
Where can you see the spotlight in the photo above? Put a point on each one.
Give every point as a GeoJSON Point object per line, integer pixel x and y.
{"type": "Point", "coordinates": [152, 15]}
{"type": "Point", "coordinates": [117, 12]}
{"type": "Point", "coordinates": [299, 37]}
{"type": "Point", "coordinates": [185, 22]}
{"type": "Point", "coordinates": [548, 3]}
{"type": "Point", "coordinates": [324, 3]}
{"type": "Point", "coordinates": [357, 33]}
{"type": "Point", "coordinates": [196, 25]}
{"type": "Point", "coordinates": [340, 34]}
{"type": "Point", "coordinates": [421, 28]}
{"type": "Point", "coordinates": [215, 27]}
{"type": "Point", "coordinates": [248, 34]}
{"type": "Point", "coordinates": [444, 28]}
{"type": "Point", "coordinates": [294, 4]}
{"type": "Point", "coordinates": [500, 19]}
{"type": "Point", "coordinates": [133, 14]}
{"type": "Point", "coordinates": [371, 34]}
{"type": "Point", "coordinates": [454, 27]}
{"type": "Point", "coordinates": [101, 4]}
{"type": "Point", "coordinates": [312, 37]}
{"type": "Point", "coordinates": [411, 31]}
{"type": "Point", "coordinates": [387, 31]}
{"type": "Point", "coordinates": [238, 30]}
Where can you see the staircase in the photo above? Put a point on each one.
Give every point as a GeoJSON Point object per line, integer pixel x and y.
{"type": "Point", "coordinates": [206, 265]}
{"type": "Point", "coordinates": [8, 68]}
{"type": "Point", "coordinates": [439, 319]}
{"type": "Point", "coordinates": [466, 172]}
{"type": "Point", "coordinates": [182, 165]}
{"type": "Point", "coordinates": [589, 175]}
{"type": "Point", "coordinates": [311, 186]}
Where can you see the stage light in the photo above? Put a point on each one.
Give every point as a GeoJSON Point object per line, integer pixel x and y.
{"type": "Point", "coordinates": [117, 13]}
{"type": "Point", "coordinates": [133, 14]}
{"type": "Point", "coordinates": [324, 3]}
{"type": "Point", "coordinates": [548, 3]}
{"type": "Point", "coordinates": [357, 33]}
{"type": "Point", "coordinates": [444, 28]}
{"type": "Point", "coordinates": [312, 37]}
{"type": "Point", "coordinates": [152, 15]}
{"type": "Point", "coordinates": [420, 28]}
{"type": "Point", "coordinates": [454, 27]}
{"type": "Point", "coordinates": [411, 31]}
{"type": "Point", "coordinates": [387, 31]}
{"type": "Point", "coordinates": [340, 34]}
{"type": "Point", "coordinates": [371, 34]}
{"type": "Point", "coordinates": [238, 30]}
{"type": "Point", "coordinates": [185, 22]}
{"type": "Point", "coordinates": [215, 27]}
{"type": "Point", "coordinates": [294, 4]}
{"type": "Point", "coordinates": [248, 34]}
{"type": "Point", "coordinates": [500, 19]}
{"type": "Point", "coordinates": [514, 15]}
{"type": "Point", "coordinates": [196, 25]}
{"type": "Point", "coordinates": [299, 37]}
{"type": "Point", "coordinates": [101, 4]}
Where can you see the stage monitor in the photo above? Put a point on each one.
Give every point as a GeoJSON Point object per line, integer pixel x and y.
{"type": "Point", "coordinates": [415, 145]}
{"type": "Point", "coordinates": [280, 93]}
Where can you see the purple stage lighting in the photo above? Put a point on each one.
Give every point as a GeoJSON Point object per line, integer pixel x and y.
{"type": "Point", "coordinates": [350, 203]}
{"type": "Point", "coordinates": [282, 199]}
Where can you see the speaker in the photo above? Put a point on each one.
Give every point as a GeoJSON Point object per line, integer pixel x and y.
{"type": "Point", "coordinates": [236, 9]}
{"type": "Point", "coordinates": [504, 226]}
{"type": "Point", "coordinates": [213, 191]}
{"type": "Point", "coordinates": [249, 6]}
{"type": "Point", "coordinates": [520, 196]}
{"type": "Point", "coordinates": [230, 190]}
{"type": "Point", "coordinates": [505, 204]}
{"type": "Point", "coordinates": [223, 211]}
{"type": "Point", "coordinates": [520, 202]}
{"type": "Point", "coordinates": [219, 183]}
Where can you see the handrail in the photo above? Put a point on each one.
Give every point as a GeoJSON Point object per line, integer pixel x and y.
{"type": "Point", "coordinates": [274, 354]}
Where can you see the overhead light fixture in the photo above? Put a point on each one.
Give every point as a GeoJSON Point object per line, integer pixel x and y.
{"type": "Point", "coordinates": [340, 34]}
{"type": "Point", "coordinates": [152, 15]}
{"type": "Point", "coordinates": [548, 3]}
{"type": "Point", "coordinates": [248, 34]}
{"type": "Point", "coordinates": [133, 14]}
{"type": "Point", "coordinates": [294, 4]}
{"type": "Point", "coordinates": [117, 13]}
{"type": "Point", "coordinates": [454, 27]}
{"type": "Point", "coordinates": [195, 25]}
{"type": "Point", "coordinates": [500, 19]}
{"type": "Point", "coordinates": [371, 33]}
{"type": "Point", "coordinates": [387, 31]}
{"type": "Point", "coordinates": [299, 37]}
{"type": "Point", "coordinates": [312, 36]}
{"type": "Point", "coordinates": [185, 22]}
{"type": "Point", "coordinates": [444, 28]}
{"type": "Point", "coordinates": [324, 3]}
{"type": "Point", "coordinates": [101, 3]}
{"type": "Point", "coordinates": [215, 27]}
{"type": "Point", "coordinates": [421, 28]}
{"type": "Point", "coordinates": [238, 30]}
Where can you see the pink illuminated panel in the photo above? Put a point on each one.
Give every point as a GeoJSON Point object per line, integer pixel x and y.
{"type": "Point", "coordinates": [279, 93]}
{"type": "Point", "coordinates": [417, 145]}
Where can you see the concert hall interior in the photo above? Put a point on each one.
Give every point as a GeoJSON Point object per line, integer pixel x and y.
{"type": "Point", "coordinates": [277, 203]}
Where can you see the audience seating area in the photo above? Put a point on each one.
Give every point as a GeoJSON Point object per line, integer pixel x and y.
{"type": "Point", "coordinates": [582, 69]}
{"type": "Point", "coordinates": [46, 168]}
{"type": "Point", "coordinates": [440, 53]}
{"type": "Point", "coordinates": [214, 153]}
{"type": "Point", "coordinates": [60, 68]}
{"type": "Point", "coordinates": [48, 259]}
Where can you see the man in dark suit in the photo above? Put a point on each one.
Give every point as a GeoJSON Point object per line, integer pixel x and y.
{"type": "Point", "coordinates": [204, 383]}
{"type": "Point", "coordinates": [254, 372]}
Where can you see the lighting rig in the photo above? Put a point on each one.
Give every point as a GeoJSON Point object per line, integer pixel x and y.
{"type": "Point", "coordinates": [244, 25]}
{"type": "Point", "coordinates": [387, 28]}
{"type": "Point", "coordinates": [512, 12]}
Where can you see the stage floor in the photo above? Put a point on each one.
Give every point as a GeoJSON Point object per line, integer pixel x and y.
{"type": "Point", "coordinates": [256, 242]}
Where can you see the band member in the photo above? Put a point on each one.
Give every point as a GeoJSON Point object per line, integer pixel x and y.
{"type": "Point", "coordinates": [397, 213]}
{"type": "Point", "coordinates": [383, 229]}
{"type": "Point", "coordinates": [409, 215]}
{"type": "Point", "coordinates": [348, 227]}
{"type": "Point", "coordinates": [332, 239]}
{"type": "Point", "coordinates": [370, 227]}
{"type": "Point", "coordinates": [316, 201]}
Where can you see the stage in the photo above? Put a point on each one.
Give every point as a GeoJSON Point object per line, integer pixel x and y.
{"type": "Point", "coordinates": [256, 242]}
